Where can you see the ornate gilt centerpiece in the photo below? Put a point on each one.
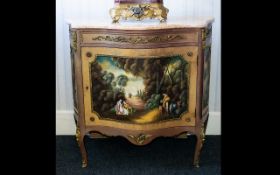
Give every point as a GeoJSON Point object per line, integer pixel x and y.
{"type": "Point", "coordinates": [139, 10]}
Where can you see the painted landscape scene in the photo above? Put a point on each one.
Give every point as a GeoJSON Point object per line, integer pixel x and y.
{"type": "Point", "coordinates": [139, 90]}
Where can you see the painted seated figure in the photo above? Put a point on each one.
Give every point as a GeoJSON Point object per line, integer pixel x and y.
{"type": "Point", "coordinates": [165, 102]}
{"type": "Point", "coordinates": [122, 108]}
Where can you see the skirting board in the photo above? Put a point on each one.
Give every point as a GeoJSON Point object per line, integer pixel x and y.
{"type": "Point", "coordinates": [65, 124]}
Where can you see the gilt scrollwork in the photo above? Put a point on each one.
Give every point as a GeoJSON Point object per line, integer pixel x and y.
{"type": "Point", "coordinates": [78, 133]}
{"type": "Point", "coordinates": [202, 138]}
{"type": "Point", "coordinates": [203, 34]}
{"type": "Point", "coordinates": [73, 43]}
{"type": "Point", "coordinates": [140, 139]}
{"type": "Point", "coordinates": [206, 33]}
{"type": "Point", "coordinates": [202, 134]}
{"type": "Point", "coordinates": [138, 39]}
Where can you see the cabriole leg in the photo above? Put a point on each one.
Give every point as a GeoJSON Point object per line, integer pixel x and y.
{"type": "Point", "coordinates": [80, 140]}
{"type": "Point", "coordinates": [199, 143]}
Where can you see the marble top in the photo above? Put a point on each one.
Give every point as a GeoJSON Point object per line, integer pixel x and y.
{"type": "Point", "coordinates": [175, 22]}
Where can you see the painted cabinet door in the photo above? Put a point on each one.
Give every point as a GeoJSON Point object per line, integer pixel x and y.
{"type": "Point", "coordinates": [139, 88]}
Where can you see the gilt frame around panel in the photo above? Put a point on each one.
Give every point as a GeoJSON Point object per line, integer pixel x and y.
{"type": "Point", "coordinates": [144, 53]}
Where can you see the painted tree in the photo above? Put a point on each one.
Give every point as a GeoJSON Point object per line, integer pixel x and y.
{"type": "Point", "coordinates": [108, 77]}
{"type": "Point", "coordinates": [122, 80]}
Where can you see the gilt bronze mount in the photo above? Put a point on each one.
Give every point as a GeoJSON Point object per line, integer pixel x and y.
{"type": "Point", "coordinates": [138, 10]}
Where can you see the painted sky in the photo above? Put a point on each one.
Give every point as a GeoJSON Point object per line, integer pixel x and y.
{"type": "Point", "coordinates": [134, 83]}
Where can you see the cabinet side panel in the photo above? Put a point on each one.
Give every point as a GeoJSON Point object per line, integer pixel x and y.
{"type": "Point", "coordinates": [73, 49]}
{"type": "Point", "coordinates": [206, 71]}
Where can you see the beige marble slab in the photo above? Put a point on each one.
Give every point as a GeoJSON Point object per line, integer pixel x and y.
{"type": "Point", "coordinates": [175, 22]}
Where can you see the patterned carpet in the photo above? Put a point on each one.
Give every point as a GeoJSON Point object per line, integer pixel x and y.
{"type": "Point", "coordinates": [116, 156]}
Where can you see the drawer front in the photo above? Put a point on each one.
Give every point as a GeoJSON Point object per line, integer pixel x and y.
{"type": "Point", "coordinates": [140, 39]}
{"type": "Point", "coordinates": [139, 88]}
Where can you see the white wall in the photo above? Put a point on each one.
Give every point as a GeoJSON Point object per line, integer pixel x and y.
{"type": "Point", "coordinates": [89, 9]}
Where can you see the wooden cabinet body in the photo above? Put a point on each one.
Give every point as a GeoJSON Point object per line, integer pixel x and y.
{"type": "Point", "coordinates": [141, 82]}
